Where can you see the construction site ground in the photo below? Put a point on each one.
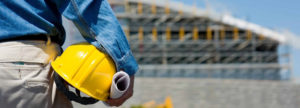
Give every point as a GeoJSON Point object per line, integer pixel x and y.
{"type": "Point", "coordinates": [213, 93]}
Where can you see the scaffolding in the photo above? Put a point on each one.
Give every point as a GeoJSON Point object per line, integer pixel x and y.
{"type": "Point", "coordinates": [174, 43]}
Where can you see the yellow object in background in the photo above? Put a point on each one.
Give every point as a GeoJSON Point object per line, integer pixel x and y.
{"type": "Point", "coordinates": [168, 102]}
{"type": "Point", "coordinates": [153, 7]}
{"type": "Point", "coordinates": [181, 34]}
{"type": "Point", "coordinates": [168, 33]}
{"type": "Point", "coordinates": [195, 33]}
{"type": "Point", "coordinates": [140, 7]}
{"type": "Point", "coordinates": [235, 33]}
{"type": "Point", "coordinates": [152, 104]}
{"type": "Point", "coordinates": [87, 69]}
{"type": "Point", "coordinates": [208, 33]}
{"type": "Point", "coordinates": [154, 34]}
{"type": "Point", "coordinates": [141, 34]}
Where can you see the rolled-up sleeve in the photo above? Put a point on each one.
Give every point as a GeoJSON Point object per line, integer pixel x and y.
{"type": "Point", "coordinates": [99, 26]}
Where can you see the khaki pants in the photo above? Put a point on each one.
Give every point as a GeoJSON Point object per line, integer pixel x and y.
{"type": "Point", "coordinates": [26, 76]}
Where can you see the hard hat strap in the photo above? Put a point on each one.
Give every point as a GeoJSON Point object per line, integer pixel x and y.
{"type": "Point", "coordinates": [71, 95]}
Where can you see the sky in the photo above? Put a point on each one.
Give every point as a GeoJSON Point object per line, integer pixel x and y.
{"type": "Point", "coordinates": [273, 14]}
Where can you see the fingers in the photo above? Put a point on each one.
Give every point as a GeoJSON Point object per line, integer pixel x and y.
{"type": "Point", "coordinates": [113, 102]}
{"type": "Point", "coordinates": [118, 102]}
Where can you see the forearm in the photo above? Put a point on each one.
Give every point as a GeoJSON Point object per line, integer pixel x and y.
{"type": "Point", "coordinates": [99, 26]}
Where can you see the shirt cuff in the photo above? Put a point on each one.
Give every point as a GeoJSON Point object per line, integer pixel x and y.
{"type": "Point", "coordinates": [128, 64]}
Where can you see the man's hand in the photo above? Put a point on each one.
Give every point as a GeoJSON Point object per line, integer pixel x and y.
{"type": "Point", "coordinates": [126, 95]}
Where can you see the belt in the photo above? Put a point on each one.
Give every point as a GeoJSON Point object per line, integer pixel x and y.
{"type": "Point", "coordinates": [27, 37]}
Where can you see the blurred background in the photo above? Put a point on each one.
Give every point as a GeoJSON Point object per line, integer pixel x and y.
{"type": "Point", "coordinates": [211, 53]}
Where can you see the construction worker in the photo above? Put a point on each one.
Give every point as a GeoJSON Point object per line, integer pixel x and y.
{"type": "Point", "coordinates": [31, 35]}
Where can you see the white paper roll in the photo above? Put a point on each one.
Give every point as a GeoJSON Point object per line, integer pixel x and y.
{"type": "Point", "coordinates": [120, 84]}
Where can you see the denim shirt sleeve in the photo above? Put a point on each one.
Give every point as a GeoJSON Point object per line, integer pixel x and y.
{"type": "Point", "coordinates": [99, 26]}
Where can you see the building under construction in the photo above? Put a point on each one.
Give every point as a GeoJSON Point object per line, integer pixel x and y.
{"type": "Point", "coordinates": [170, 39]}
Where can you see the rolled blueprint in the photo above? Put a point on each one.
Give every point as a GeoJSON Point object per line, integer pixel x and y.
{"type": "Point", "coordinates": [120, 84]}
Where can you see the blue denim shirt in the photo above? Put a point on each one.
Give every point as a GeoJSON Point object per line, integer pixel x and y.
{"type": "Point", "coordinates": [94, 19]}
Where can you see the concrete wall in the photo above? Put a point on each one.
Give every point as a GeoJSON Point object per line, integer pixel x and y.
{"type": "Point", "coordinates": [212, 93]}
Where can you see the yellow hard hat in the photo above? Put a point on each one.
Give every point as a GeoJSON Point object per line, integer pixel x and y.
{"type": "Point", "coordinates": [87, 69]}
